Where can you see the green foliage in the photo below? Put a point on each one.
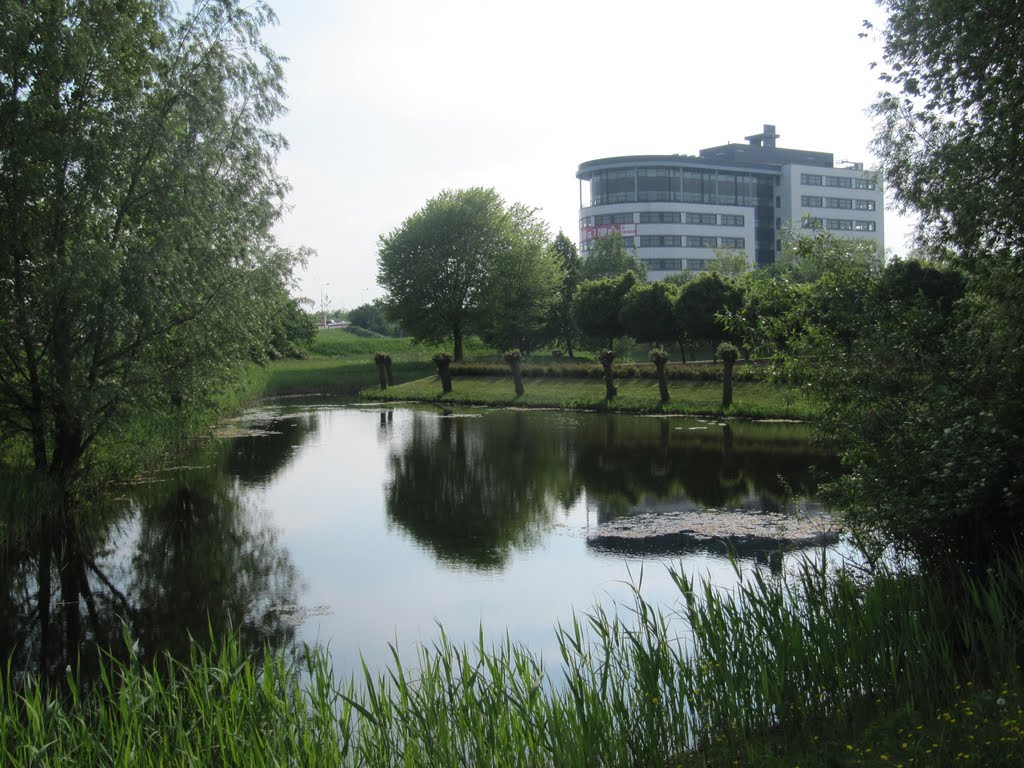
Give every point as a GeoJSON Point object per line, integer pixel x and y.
{"type": "Point", "coordinates": [464, 263]}
{"type": "Point", "coordinates": [373, 317]}
{"type": "Point", "coordinates": [699, 305]}
{"type": "Point", "coordinates": [608, 257]}
{"type": "Point", "coordinates": [811, 670]}
{"type": "Point", "coordinates": [951, 126]}
{"type": "Point", "coordinates": [137, 197]}
{"type": "Point", "coordinates": [918, 370]}
{"type": "Point", "coordinates": [596, 307]}
{"type": "Point", "coordinates": [647, 312]}
{"type": "Point", "coordinates": [522, 286]}
{"type": "Point", "coordinates": [730, 263]}
{"type": "Point", "coordinates": [562, 327]}
{"type": "Point", "coordinates": [929, 429]}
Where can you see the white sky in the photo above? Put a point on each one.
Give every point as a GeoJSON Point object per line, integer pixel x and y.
{"type": "Point", "coordinates": [393, 101]}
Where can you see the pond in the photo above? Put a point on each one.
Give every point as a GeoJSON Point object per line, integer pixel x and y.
{"type": "Point", "coordinates": [355, 527]}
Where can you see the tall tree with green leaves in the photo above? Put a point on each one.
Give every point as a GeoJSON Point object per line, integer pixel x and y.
{"type": "Point", "coordinates": [647, 313]}
{"type": "Point", "coordinates": [950, 123]}
{"type": "Point", "coordinates": [137, 195]}
{"type": "Point", "coordinates": [921, 392]}
{"type": "Point", "coordinates": [562, 326]}
{"type": "Point", "coordinates": [446, 263]}
{"type": "Point", "coordinates": [596, 308]}
{"type": "Point", "coordinates": [609, 257]}
{"type": "Point", "coordinates": [700, 305]}
{"type": "Point", "coordinates": [523, 281]}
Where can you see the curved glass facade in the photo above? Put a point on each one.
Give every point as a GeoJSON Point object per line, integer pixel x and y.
{"type": "Point", "coordinates": [671, 185]}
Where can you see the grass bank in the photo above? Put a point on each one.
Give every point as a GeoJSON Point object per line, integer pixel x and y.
{"type": "Point", "coordinates": [751, 399]}
{"type": "Point", "coordinates": [341, 363]}
{"type": "Point", "coordinates": [822, 669]}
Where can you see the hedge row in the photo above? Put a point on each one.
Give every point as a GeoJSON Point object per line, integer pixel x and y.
{"type": "Point", "coordinates": [574, 370]}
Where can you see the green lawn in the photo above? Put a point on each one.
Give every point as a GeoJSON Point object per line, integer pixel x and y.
{"type": "Point", "coordinates": [750, 399]}
{"type": "Point", "coordinates": [341, 363]}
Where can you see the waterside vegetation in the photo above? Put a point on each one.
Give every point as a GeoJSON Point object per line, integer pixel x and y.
{"type": "Point", "coordinates": [824, 668]}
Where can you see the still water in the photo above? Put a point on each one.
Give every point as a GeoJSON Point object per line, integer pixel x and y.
{"type": "Point", "coordinates": [355, 527]}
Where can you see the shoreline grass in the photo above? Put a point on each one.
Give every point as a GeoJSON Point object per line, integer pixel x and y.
{"type": "Point", "coordinates": [825, 668]}
{"type": "Point", "coordinates": [341, 364]}
{"type": "Point", "coordinates": [751, 399]}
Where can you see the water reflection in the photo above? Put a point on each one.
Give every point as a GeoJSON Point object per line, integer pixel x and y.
{"type": "Point", "coordinates": [473, 512]}
{"type": "Point", "coordinates": [473, 489]}
{"type": "Point", "coordinates": [185, 558]}
{"type": "Point", "coordinates": [267, 442]}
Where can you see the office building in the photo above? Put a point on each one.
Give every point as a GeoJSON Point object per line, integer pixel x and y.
{"type": "Point", "coordinates": [680, 211]}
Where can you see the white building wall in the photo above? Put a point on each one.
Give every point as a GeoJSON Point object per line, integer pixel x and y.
{"type": "Point", "coordinates": [689, 257]}
{"type": "Point", "coordinates": [804, 201]}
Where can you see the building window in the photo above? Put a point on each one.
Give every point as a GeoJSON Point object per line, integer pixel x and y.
{"type": "Point", "coordinates": [701, 218]}
{"type": "Point", "coordinates": [864, 205]}
{"type": "Point", "coordinates": [660, 217]}
{"type": "Point", "coordinates": [811, 222]}
{"type": "Point", "coordinates": [604, 219]}
{"type": "Point", "coordinates": [661, 241]}
{"type": "Point", "coordinates": [845, 182]}
{"type": "Point", "coordinates": [844, 203]}
{"type": "Point", "coordinates": [810, 179]}
{"type": "Point", "coordinates": [863, 184]}
{"type": "Point", "coordinates": [838, 224]}
{"type": "Point", "coordinates": [864, 226]}
{"type": "Point", "coordinates": [733, 242]}
{"type": "Point", "coordinates": [696, 265]}
{"type": "Point", "coordinates": [663, 265]}
{"type": "Point", "coordinates": [697, 241]}
{"type": "Point", "coordinates": [810, 201]}
{"type": "Point", "coordinates": [607, 187]}
{"type": "Point", "coordinates": [731, 220]}
{"type": "Point", "coordinates": [658, 185]}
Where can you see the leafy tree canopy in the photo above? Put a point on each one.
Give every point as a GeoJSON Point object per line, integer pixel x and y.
{"type": "Point", "coordinates": [608, 257]}
{"type": "Point", "coordinates": [951, 127]}
{"type": "Point", "coordinates": [699, 305]}
{"type": "Point", "coordinates": [562, 326]}
{"type": "Point", "coordinates": [647, 312]}
{"type": "Point", "coordinates": [596, 307]}
{"type": "Point", "coordinates": [522, 287]}
{"type": "Point", "coordinates": [137, 196]}
{"type": "Point", "coordinates": [444, 263]}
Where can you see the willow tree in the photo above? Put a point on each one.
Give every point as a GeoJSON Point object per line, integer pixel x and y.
{"type": "Point", "coordinates": [137, 195]}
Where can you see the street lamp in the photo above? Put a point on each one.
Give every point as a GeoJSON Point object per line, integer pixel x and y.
{"type": "Point", "coordinates": [323, 305]}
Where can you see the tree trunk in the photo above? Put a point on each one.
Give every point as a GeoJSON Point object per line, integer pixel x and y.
{"type": "Point", "coordinates": [382, 375]}
{"type": "Point", "coordinates": [728, 360]}
{"type": "Point", "coordinates": [443, 363]}
{"type": "Point", "coordinates": [514, 359]}
{"type": "Point", "coordinates": [659, 364]}
{"type": "Point", "coordinates": [606, 358]}
{"type": "Point", "coordinates": [387, 370]}
{"type": "Point", "coordinates": [457, 334]}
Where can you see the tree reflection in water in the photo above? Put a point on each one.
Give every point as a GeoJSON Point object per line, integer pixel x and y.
{"type": "Point", "coordinates": [474, 489]}
{"type": "Point", "coordinates": [200, 564]}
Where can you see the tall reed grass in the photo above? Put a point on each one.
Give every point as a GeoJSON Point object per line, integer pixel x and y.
{"type": "Point", "coordinates": [776, 668]}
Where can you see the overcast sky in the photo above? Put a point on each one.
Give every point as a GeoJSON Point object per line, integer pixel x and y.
{"type": "Point", "coordinates": [393, 101]}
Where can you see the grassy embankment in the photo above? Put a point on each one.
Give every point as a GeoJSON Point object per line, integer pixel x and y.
{"type": "Point", "coordinates": [822, 670]}
{"type": "Point", "coordinates": [342, 364]}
